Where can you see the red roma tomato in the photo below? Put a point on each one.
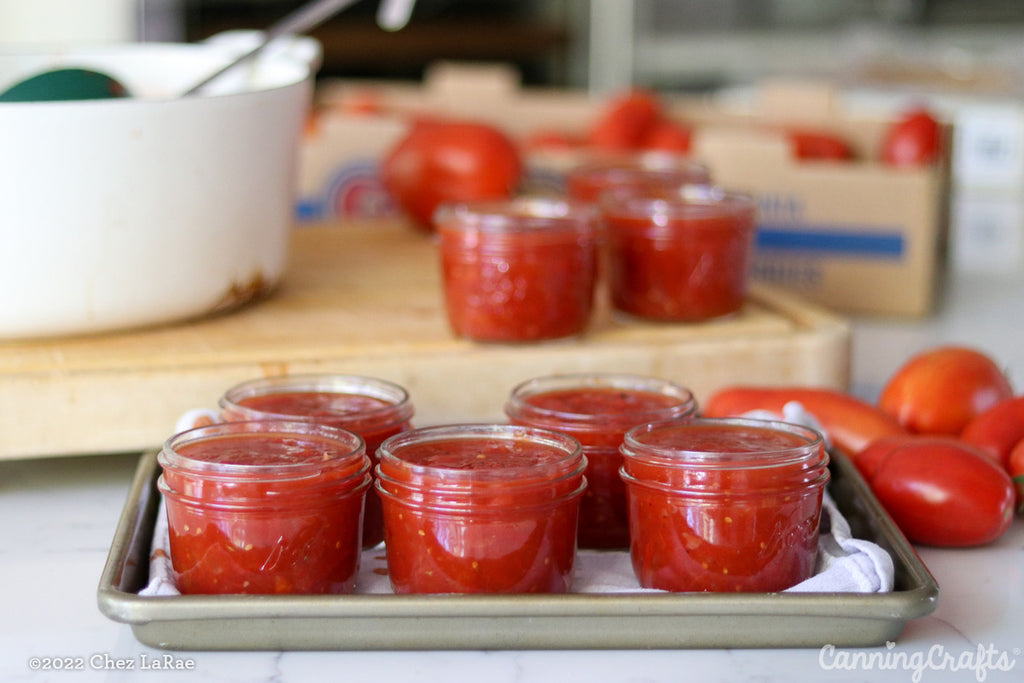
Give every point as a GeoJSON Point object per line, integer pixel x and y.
{"type": "Point", "coordinates": [442, 161]}
{"type": "Point", "coordinates": [851, 423]}
{"type": "Point", "coordinates": [940, 390]}
{"type": "Point", "coordinates": [1015, 466]}
{"type": "Point", "coordinates": [808, 144]}
{"type": "Point", "coordinates": [913, 140]}
{"type": "Point", "coordinates": [667, 135]}
{"type": "Point", "coordinates": [625, 121]}
{"type": "Point", "coordinates": [871, 456]}
{"type": "Point", "coordinates": [997, 430]}
{"type": "Point", "coordinates": [942, 492]}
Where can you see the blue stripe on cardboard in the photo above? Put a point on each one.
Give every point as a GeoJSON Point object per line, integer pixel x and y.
{"type": "Point", "coordinates": [309, 210]}
{"type": "Point", "coordinates": [831, 240]}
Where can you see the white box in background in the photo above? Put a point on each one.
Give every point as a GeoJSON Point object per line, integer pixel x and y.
{"type": "Point", "coordinates": [988, 232]}
{"type": "Point", "coordinates": [988, 147]}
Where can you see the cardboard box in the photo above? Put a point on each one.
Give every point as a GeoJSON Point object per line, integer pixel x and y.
{"type": "Point", "coordinates": [860, 237]}
{"type": "Point", "coordinates": [856, 236]}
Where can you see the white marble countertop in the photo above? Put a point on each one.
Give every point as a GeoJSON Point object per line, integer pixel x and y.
{"type": "Point", "coordinates": [59, 516]}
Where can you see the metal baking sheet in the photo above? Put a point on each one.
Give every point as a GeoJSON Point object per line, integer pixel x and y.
{"type": "Point", "coordinates": [516, 622]}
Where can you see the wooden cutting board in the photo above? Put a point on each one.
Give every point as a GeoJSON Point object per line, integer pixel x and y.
{"type": "Point", "coordinates": [365, 298]}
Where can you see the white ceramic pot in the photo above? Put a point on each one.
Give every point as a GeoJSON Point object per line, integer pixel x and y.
{"type": "Point", "coordinates": [131, 212]}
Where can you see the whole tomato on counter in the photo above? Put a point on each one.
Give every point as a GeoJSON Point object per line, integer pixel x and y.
{"type": "Point", "coordinates": [1015, 468]}
{"type": "Point", "coordinates": [997, 430]}
{"type": "Point", "coordinates": [851, 423]}
{"type": "Point", "coordinates": [999, 433]}
{"type": "Point", "coordinates": [446, 160]}
{"type": "Point", "coordinates": [915, 139]}
{"type": "Point", "coordinates": [941, 389]}
{"type": "Point", "coordinates": [939, 490]}
{"type": "Point", "coordinates": [867, 459]}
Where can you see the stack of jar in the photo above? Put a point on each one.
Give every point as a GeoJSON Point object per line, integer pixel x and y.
{"type": "Point", "coordinates": [670, 246]}
{"type": "Point", "coordinates": [275, 495]}
{"type": "Point", "coordinates": [270, 498]}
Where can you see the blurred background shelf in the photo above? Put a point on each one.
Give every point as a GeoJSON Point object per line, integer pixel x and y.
{"type": "Point", "coordinates": [534, 36]}
{"type": "Point", "coordinates": [676, 44]}
{"type": "Point", "coordinates": [960, 45]}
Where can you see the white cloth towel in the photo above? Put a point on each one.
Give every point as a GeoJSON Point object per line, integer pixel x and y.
{"type": "Point", "coordinates": [845, 565]}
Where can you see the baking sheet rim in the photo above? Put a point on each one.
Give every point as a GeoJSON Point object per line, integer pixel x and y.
{"type": "Point", "coordinates": [888, 612]}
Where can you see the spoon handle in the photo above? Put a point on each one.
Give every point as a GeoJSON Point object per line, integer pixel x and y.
{"type": "Point", "coordinates": [301, 20]}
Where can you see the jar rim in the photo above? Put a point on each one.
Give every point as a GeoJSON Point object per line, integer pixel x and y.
{"type": "Point", "coordinates": [821, 477]}
{"type": "Point", "coordinates": [351, 449]}
{"type": "Point", "coordinates": [389, 458]}
{"type": "Point", "coordinates": [521, 214]}
{"type": "Point", "coordinates": [398, 409]}
{"type": "Point", "coordinates": [356, 484]}
{"type": "Point", "coordinates": [518, 405]}
{"type": "Point", "coordinates": [812, 452]}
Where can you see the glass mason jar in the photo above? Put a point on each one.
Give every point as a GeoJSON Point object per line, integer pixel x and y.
{"type": "Point", "coordinates": [372, 408]}
{"type": "Point", "coordinates": [598, 409]}
{"type": "Point", "coordinates": [480, 508]}
{"type": "Point", "coordinates": [264, 507]}
{"type": "Point", "coordinates": [722, 505]}
{"type": "Point", "coordinates": [518, 270]}
{"type": "Point", "coordinates": [678, 255]}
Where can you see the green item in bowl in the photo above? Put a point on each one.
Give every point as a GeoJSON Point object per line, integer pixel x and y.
{"type": "Point", "coordinates": [65, 84]}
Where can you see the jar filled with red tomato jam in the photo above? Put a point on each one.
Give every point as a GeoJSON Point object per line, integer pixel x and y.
{"type": "Point", "coordinates": [518, 270]}
{"type": "Point", "coordinates": [480, 508]}
{"type": "Point", "coordinates": [652, 170]}
{"type": "Point", "coordinates": [372, 408]}
{"type": "Point", "coordinates": [680, 255]}
{"type": "Point", "coordinates": [264, 507]}
{"type": "Point", "coordinates": [724, 505]}
{"type": "Point", "coordinates": [598, 409]}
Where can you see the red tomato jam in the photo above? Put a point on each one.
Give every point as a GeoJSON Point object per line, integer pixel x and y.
{"type": "Point", "coordinates": [264, 507]}
{"type": "Point", "coordinates": [480, 509]}
{"type": "Point", "coordinates": [372, 408]}
{"type": "Point", "coordinates": [641, 172]}
{"type": "Point", "coordinates": [678, 256]}
{"type": "Point", "coordinates": [598, 409]}
{"type": "Point", "coordinates": [519, 270]}
{"type": "Point", "coordinates": [726, 505]}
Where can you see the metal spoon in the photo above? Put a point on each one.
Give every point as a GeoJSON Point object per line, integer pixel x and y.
{"type": "Point", "coordinates": [301, 20]}
{"type": "Point", "coordinates": [79, 84]}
